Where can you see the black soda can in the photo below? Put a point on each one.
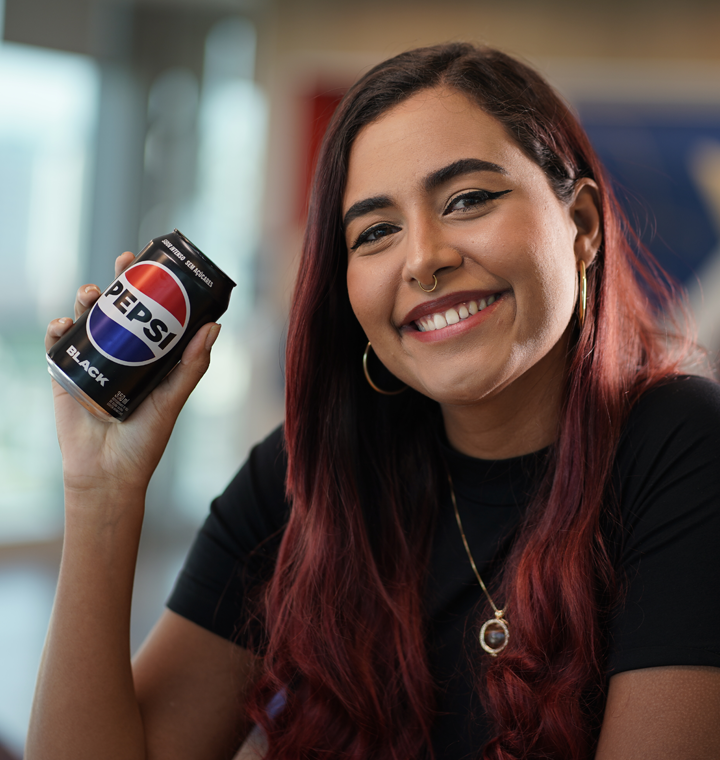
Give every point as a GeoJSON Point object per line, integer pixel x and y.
{"type": "Point", "coordinates": [135, 333]}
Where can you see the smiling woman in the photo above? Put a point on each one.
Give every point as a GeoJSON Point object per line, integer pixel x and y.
{"type": "Point", "coordinates": [438, 189]}
{"type": "Point", "coordinates": [477, 565]}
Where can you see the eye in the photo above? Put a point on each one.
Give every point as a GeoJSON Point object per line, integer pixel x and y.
{"type": "Point", "coordinates": [472, 199]}
{"type": "Point", "coordinates": [374, 233]}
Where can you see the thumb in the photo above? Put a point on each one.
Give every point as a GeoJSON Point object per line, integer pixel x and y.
{"type": "Point", "coordinates": [181, 382]}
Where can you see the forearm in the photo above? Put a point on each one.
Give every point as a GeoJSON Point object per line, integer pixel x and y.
{"type": "Point", "coordinates": [85, 705]}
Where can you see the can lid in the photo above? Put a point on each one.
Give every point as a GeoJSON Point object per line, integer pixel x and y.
{"type": "Point", "coordinates": [206, 261]}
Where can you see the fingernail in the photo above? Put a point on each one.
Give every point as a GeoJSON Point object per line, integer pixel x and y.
{"type": "Point", "coordinates": [64, 320]}
{"type": "Point", "coordinates": [92, 287]}
{"type": "Point", "coordinates": [212, 336]}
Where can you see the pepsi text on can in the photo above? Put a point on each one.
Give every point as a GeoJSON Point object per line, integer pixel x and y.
{"type": "Point", "coordinates": [134, 334]}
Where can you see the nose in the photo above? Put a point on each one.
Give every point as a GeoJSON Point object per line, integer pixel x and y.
{"type": "Point", "coordinates": [429, 254]}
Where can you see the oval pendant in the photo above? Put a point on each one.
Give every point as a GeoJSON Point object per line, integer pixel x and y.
{"type": "Point", "coordinates": [494, 636]}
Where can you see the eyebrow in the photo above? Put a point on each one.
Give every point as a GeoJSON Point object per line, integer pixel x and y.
{"type": "Point", "coordinates": [433, 180]}
{"type": "Point", "coordinates": [457, 168]}
{"type": "Point", "coordinates": [365, 207]}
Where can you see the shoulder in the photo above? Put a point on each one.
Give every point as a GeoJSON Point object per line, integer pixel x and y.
{"type": "Point", "coordinates": [236, 547]}
{"type": "Point", "coordinates": [252, 510]}
{"type": "Point", "coordinates": [678, 417]}
{"type": "Point", "coordinates": [267, 465]}
{"type": "Point", "coordinates": [677, 396]}
{"type": "Point", "coordinates": [258, 489]}
{"type": "Point", "coordinates": [666, 469]}
{"type": "Point", "coordinates": [667, 482]}
{"type": "Point", "coordinates": [250, 513]}
{"type": "Point", "coordinates": [677, 401]}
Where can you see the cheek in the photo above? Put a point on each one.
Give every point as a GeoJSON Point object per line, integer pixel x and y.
{"type": "Point", "coordinates": [367, 298]}
{"type": "Point", "coordinates": [542, 275]}
{"type": "Point", "coordinates": [556, 286]}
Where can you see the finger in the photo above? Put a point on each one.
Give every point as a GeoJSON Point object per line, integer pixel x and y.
{"type": "Point", "coordinates": [193, 365]}
{"type": "Point", "coordinates": [85, 298]}
{"type": "Point", "coordinates": [55, 330]}
{"type": "Point", "coordinates": [123, 261]}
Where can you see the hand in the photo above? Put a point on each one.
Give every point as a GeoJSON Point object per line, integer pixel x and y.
{"type": "Point", "coordinates": [107, 456]}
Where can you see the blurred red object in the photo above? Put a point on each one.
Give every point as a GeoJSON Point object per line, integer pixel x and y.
{"type": "Point", "coordinates": [317, 109]}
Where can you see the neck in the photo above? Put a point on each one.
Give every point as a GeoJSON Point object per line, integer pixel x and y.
{"type": "Point", "coordinates": [519, 418]}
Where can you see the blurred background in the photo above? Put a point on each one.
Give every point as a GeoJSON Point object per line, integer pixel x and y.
{"type": "Point", "coordinates": [121, 120]}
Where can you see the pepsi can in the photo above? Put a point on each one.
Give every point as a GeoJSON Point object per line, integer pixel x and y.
{"type": "Point", "coordinates": [136, 331]}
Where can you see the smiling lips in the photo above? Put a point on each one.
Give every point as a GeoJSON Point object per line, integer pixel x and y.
{"type": "Point", "coordinates": [454, 314]}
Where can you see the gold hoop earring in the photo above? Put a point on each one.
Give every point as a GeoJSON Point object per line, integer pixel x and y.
{"type": "Point", "coordinates": [429, 290]}
{"type": "Point", "coordinates": [582, 295]}
{"type": "Point", "coordinates": [371, 383]}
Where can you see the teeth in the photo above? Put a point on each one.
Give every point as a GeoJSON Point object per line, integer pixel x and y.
{"type": "Point", "coordinates": [453, 316]}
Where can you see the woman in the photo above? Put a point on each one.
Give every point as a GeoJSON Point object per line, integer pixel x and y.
{"type": "Point", "coordinates": [497, 539]}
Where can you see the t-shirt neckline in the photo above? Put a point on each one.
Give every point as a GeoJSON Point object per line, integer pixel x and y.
{"type": "Point", "coordinates": [500, 482]}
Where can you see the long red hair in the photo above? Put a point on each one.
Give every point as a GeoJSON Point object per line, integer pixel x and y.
{"type": "Point", "coordinates": [344, 611]}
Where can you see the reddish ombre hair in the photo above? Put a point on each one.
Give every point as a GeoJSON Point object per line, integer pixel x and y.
{"type": "Point", "coordinates": [344, 611]}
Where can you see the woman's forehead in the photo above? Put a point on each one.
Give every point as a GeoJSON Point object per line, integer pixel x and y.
{"type": "Point", "coordinates": [431, 130]}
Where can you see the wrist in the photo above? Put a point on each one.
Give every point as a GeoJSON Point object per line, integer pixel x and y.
{"type": "Point", "coordinates": [102, 532]}
{"type": "Point", "coordinates": [97, 487]}
{"type": "Point", "coordinates": [108, 501]}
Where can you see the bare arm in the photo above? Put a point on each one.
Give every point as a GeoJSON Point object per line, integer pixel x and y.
{"type": "Point", "coordinates": [191, 685]}
{"type": "Point", "coordinates": [84, 700]}
{"type": "Point", "coordinates": [188, 683]}
{"type": "Point", "coordinates": [669, 713]}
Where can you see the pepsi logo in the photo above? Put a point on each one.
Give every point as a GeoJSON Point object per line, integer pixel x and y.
{"type": "Point", "coordinates": [141, 316]}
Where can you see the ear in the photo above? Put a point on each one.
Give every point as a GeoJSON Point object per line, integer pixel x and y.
{"type": "Point", "coordinates": [587, 217]}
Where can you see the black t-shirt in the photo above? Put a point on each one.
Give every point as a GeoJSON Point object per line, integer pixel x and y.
{"type": "Point", "coordinates": [667, 479]}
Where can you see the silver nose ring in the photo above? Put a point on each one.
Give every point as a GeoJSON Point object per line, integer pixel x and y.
{"type": "Point", "coordinates": [429, 290]}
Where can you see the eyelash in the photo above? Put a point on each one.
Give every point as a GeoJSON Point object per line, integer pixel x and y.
{"type": "Point", "coordinates": [364, 237]}
{"type": "Point", "coordinates": [480, 196]}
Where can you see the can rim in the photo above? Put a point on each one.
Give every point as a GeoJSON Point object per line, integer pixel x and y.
{"type": "Point", "coordinates": [203, 257]}
{"type": "Point", "coordinates": [82, 398]}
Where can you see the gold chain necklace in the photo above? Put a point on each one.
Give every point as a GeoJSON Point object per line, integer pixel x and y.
{"type": "Point", "coordinates": [495, 633]}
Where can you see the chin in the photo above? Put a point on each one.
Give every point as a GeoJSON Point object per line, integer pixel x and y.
{"type": "Point", "coordinates": [459, 393]}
